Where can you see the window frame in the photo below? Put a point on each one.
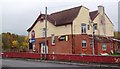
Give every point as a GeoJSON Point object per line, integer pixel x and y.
{"type": "Point", "coordinates": [95, 25]}
{"type": "Point", "coordinates": [88, 27]}
{"type": "Point", "coordinates": [33, 34]}
{"type": "Point", "coordinates": [84, 44]}
{"type": "Point", "coordinates": [52, 39]}
{"type": "Point", "coordinates": [104, 46]}
{"type": "Point", "coordinates": [83, 28]}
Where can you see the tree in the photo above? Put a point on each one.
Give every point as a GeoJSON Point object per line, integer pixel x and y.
{"type": "Point", "coordinates": [25, 44]}
{"type": "Point", "coordinates": [15, 44]}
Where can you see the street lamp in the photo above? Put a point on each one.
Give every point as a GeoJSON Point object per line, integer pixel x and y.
{"type": "Point", "coordinates": [45, 32]}
{"type": "Point", "coordinates": [93, 32]}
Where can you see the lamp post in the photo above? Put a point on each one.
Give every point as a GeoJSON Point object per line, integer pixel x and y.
{"type": "Point", "coordinates": [93, 49]}
{"type": "Point", "coordinates": [93, 32]}
{"type": "Point", "coordinates": [45, 32]}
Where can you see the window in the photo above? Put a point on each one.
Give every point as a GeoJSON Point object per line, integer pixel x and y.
{"type": "Point", "coordinates": [88, 27]}
{"type": "Point", "coordinates": [53, 39]}
{"type": "Point", "coordinates": [33, 34]}
{"type": "Point", "coordinates": [104, 47]}
{"type": "Point", "coordinates": [83, 28]}
{"type": "Point", "coordinates": [83, 43]}
{"type": "Point", "coordinates": [95, 26]}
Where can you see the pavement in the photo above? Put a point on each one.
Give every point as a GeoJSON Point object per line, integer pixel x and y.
{"type": "Point", "coordinates": [73, 63]}
{"type": "Point", "coordinates": [83, 64]}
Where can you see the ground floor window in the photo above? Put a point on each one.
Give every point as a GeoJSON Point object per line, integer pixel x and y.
{"type": "Point", "coordinates": [104, 47]}
{"type": "Point", "coordinates": [83, 43]}
{"type": "Point", "coordinates": [53, 39]}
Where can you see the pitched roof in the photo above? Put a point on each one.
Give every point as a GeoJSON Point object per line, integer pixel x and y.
{"type": "Point", "coordinates": [29, 29]}
{"type": "Point", "coordinates": [101, 39]}
{"type": "Point", "coordinates": [66, 16]}
{"type": "Point", "coordinates": [93, 14]}
{"type": "Point", "coordinates": [60, 18]}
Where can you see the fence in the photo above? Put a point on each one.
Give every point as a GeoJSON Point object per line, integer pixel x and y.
{"type": "Point", "coordinates": [65, 57]}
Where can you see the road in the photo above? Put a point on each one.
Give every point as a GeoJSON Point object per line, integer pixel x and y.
{"type": "Point", "coordinates": [8, 63]}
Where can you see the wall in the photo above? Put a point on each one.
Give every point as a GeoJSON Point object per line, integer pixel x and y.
{"type": "Point", "coordinates": [78, 44]}
{"type": "Point", "coordinates": [59, 47]}
{"type": "Point", "coordinates": [109, 27]}
{"type": "Point", "coordinates": [65, 57]}
{"type": "Point", "coordinates": [83, 17]}
{"type": "Point", "coordinates": [51, 29]}
{"type": "Point", "coordinates": [99, 48]}
{"type": "Point", "coordinates": [38, 28]}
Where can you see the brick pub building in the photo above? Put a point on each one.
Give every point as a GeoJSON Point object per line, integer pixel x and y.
{"type": "Point", "coordinates": [71, 31]}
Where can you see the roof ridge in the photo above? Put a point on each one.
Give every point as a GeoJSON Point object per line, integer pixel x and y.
{"type": "Point", "coordinates": [94, 11]}
{"type": "Point", "coordinates": [65, 10]}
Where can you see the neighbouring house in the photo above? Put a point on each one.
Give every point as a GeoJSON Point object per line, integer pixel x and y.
{"type": "Point", "coordinates": [73, 31]}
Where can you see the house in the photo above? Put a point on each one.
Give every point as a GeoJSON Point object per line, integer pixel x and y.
{"type": "Point", "coordinates": [73, 31]}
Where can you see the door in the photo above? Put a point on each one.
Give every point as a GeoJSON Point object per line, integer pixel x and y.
{"type": "Point", "coordinates": [43, 48]}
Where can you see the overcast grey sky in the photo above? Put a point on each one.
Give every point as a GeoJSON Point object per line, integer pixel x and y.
{"type": "Point", "coordinates": [19, 15]}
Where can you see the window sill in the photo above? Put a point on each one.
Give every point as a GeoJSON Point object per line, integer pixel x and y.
{"type": "Point", "coordinates": [84, 33]}
{"type": "Point", "coordinates": [84, 47]}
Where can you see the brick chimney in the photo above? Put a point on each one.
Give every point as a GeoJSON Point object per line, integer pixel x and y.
{"type": "Point", "coordinates": [101, 10]}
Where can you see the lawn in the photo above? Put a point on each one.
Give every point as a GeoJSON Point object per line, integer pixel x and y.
{"type": "Point", "coordinates": [117, 54]}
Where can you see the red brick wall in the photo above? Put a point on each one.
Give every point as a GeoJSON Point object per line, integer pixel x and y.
{"type": "Point", "coordinates": [99, 48]}
{"type": "Point", "coordinates": [115, 46]}
{"type": "Point", "coordinates": [66, 57]}
{"type": "Point", "coordinates": [66, 46]}
{"type": "Point", "coordinates": [59, 47]}
{"type": "Point", "coordinates": [78, 44]}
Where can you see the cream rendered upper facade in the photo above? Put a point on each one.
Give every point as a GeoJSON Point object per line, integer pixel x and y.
{"type": "Point", "coordinates": [74, 26]}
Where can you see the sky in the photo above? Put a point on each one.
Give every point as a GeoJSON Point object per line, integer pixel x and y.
{"type": "Point", "coordinates": [17, 16]}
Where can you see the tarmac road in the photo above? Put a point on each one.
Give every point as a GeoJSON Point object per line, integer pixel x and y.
{"type": "Point", "coordinates": [23, 64]}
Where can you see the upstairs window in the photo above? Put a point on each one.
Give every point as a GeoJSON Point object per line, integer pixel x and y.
{"type": "Point", "coordinates": [88, 27]}
{"type": "Point", "coordinates": [83, 28]}
{"type": "Point", "coordinates": [33, 34]}
{"type": "Point", "coordinates": [83, 43]}
{"type": "Point", "coordinates": [95, 26]}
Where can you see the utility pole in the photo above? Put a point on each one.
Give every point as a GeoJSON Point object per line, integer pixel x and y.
{"type": "Point", "coordinates": [93, 41]}
{"type": "Point", "coordinates": [45, 32]}
{"type": "Point", "coordinates": [93, 49]}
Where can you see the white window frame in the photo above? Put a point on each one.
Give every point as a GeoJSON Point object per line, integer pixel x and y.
{"type": "Point", "coordinates": [84, 42]}
{"type": "Point", "coordinates": [53, 39]}
{"type": "Point", "coordinates": [83, 28]}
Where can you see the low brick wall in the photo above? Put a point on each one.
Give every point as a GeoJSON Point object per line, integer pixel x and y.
{"type": "Point", "coordinates": [84, 58]}
{"type": "Point", "coordinates": [21, 55]}
{"type": "Point", "coordinates": [65, 57]}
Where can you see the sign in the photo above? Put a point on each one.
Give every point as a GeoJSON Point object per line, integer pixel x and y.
{"type": "Point", "coordinates": [63, 37]}
{"type": "Point", "coordinates": [32, 40]}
